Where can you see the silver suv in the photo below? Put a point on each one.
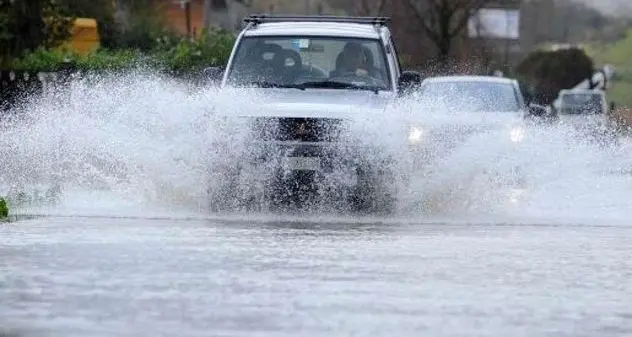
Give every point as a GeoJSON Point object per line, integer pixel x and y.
{"type": "Point", "coordinates": [314, 77]}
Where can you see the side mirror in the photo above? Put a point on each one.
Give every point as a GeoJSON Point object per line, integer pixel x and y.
{"type": "Point", "coordinates": [408, 80]}
{"type": "Point", "coordinates": [213, 74]}
{"type": "Point", "coordinates": [536, 110]}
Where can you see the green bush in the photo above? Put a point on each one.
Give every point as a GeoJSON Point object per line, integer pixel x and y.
{"type": "Point", "coordinates": [180, 55]}
{"type": "Point", "coordinates": [548, 72]}
{"type": "Point", "coordinates": [212, 48]}
{"type": "Point", "coordinates": [41, 60]}
{"type": "Point", "coordinates": [104, 59]}
{"type": "Point", "coordinates": [4, 209]}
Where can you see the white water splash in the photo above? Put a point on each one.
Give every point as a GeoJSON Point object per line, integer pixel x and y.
{"type": "Point", "coordinates": [142, 144]}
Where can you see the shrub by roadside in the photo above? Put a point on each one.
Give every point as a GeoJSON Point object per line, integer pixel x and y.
{"type": "Point", "coordinates": [4, 210]}
{"type": "Point", "coordinates": [211, 48]}
{"type": "Point", "coordinates": [548, 72]}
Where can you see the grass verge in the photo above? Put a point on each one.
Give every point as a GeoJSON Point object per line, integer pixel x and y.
{"type": "Point", "coordinates": [618, 54]}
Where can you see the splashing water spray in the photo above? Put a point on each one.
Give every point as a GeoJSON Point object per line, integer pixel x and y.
{"type": "Point", "coordinates": [142, 144]}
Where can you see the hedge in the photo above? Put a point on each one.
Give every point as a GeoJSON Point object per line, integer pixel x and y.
{"type": "Point", "coordinates": [4, 210]}
{"type": "Point", "coordinates": [548, 72]}
{"type": "Point", "coordinates": [210, 48]}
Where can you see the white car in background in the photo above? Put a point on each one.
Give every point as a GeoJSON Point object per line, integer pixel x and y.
{"type": "Point", "coordinates": [582, 103]}
{"type": "Point", "coordinates": [457, 108]}
{"type": "Point", "coordinates": [586, 111]}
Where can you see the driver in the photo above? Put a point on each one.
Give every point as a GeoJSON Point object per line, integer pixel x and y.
{"type": "Point", "coordinates": [353, 60]}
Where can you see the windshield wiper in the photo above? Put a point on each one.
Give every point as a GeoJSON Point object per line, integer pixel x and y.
{"type": "Point", "coordinates": [339, 85]}
{"type": "Point", "coordinates": [264, 84]}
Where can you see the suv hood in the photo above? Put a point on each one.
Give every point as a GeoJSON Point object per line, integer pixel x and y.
{"type": "Point", "coordinates": [309, 103]}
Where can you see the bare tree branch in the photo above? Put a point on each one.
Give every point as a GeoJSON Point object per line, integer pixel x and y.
{"type": "Point", "coordinates": [444, 20]}
{"type": "Point", "coordinates": [469, 9]}
{"type": "Point", "coordinates": [370, 7]}
{"type": "Point", "coordinates": [380, 7]}
{"type": "Point", "coordinates": [428, 20]}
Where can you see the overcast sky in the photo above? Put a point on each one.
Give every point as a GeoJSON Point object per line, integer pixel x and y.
{"type": "Point", "coordinates": [618, 7]}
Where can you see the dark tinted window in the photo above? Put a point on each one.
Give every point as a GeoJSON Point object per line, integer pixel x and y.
{"type": "Point", "coordinates": [292, 60]}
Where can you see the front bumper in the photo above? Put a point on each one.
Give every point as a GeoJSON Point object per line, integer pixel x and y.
{"type": "Point", "coordinates": [324, 157]}
{"type": "Point", "coordinates": [289, 150]}
{"type": "Point", "coordinates": [288, 173]}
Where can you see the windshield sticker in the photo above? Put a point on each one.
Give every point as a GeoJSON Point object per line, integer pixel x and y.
{"type": "Point", "coordinates": [300, 44]}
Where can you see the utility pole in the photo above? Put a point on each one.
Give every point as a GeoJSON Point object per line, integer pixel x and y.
{"type": "Point", "coordinates": [186, 6]}
{"type": "Point", "coordinates": [187, 13]}
{"type": "Point", "coordinates": [206, 13]}
{"type": "Point", "coordinates": [507, 38]}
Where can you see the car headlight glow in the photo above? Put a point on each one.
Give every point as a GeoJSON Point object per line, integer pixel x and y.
{"type": "Point", "coordinates": [517, 134]}
{"type": "Point", "coordinates": [415, 135]}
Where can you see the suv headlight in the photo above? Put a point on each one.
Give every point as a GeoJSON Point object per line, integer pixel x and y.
{"type": "Point", "coordinates": [516, 134]}
{"type": "Point", "coordinates": [415, 135]}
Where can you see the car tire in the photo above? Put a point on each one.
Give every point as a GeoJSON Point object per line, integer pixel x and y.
{"type": "Point", "coordinates": [225, 195]}
{"type": "Point", "coordinates": [290, 193]}
{"type": "Point", "coordinates": [375, 193]}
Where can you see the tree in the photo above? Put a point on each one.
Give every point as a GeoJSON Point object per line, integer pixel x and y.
{"type": "Point", "coordinates": [548, 72]}
{"type": "Point", "coordinates": [369, 7]}
{"type": "Point", "coordinates": [222, 12]}
{"type": "Point", "coordinates": [142, 23]}
{"type": "Point", "coordinates": [444, 20]}
{"type": "Point", "coordinates": [29, 24]}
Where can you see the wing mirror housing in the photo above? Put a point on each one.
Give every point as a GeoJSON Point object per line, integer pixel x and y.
{"type": "Point", "coordinates": [538, 111]}
{"type": "Point", "coordinates": [409, 80]}
{"type": "Point", "coordinates": [213, 74]}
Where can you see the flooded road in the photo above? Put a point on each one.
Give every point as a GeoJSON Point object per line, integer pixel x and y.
{"type": "Point", "coordinates": [481, 251]}
{"type": "Point", "coordinates": [164, 277]}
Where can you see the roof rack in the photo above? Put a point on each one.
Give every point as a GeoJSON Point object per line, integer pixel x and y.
{"type": "Point", "coordinates": [265, 18]}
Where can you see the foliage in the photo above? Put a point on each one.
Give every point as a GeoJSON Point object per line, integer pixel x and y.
{"type": "Point", "coordinates": [548, 72]}
{"type": "Point", "coordinates": [29, 24]}
{"type": "Point", "coordinates": [179, 55]}
{"type": "Point", "coordinates": [105, 59]}
{"type": "Point", "coordinates": [143, 25]}
{"type": "Point", "coordinates": [211, 48]}
{"type": "Point", "coordinates": [443, 21]}
{"type": "Point", "coordinates": [4, 209]}
{"type": "Point", "coordinates": [26, 25]}
{"type": "Point", "coordinates": [617, 54]}
{"type": "Point", "coordinates": [41, 59]}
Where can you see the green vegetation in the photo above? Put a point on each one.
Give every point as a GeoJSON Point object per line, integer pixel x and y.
{"type": "Point", "coordinates": [140, 36]}
{"type": "Point", "coordinates": [28, 24]}
{"type": "Point", "coordinates": [619, 54]}
{"type": "Point", "coordinates": [4, 210]}
{"type": "Point", "coordinates": [211, 48]}
{"type": "Point", "coordinates": [548, 72]}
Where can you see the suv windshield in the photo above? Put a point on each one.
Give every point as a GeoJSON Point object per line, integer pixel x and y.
{"type": "Point", "coordinates": [475, 96]}
{"type": "Point", "coordinates": [304, 62]}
